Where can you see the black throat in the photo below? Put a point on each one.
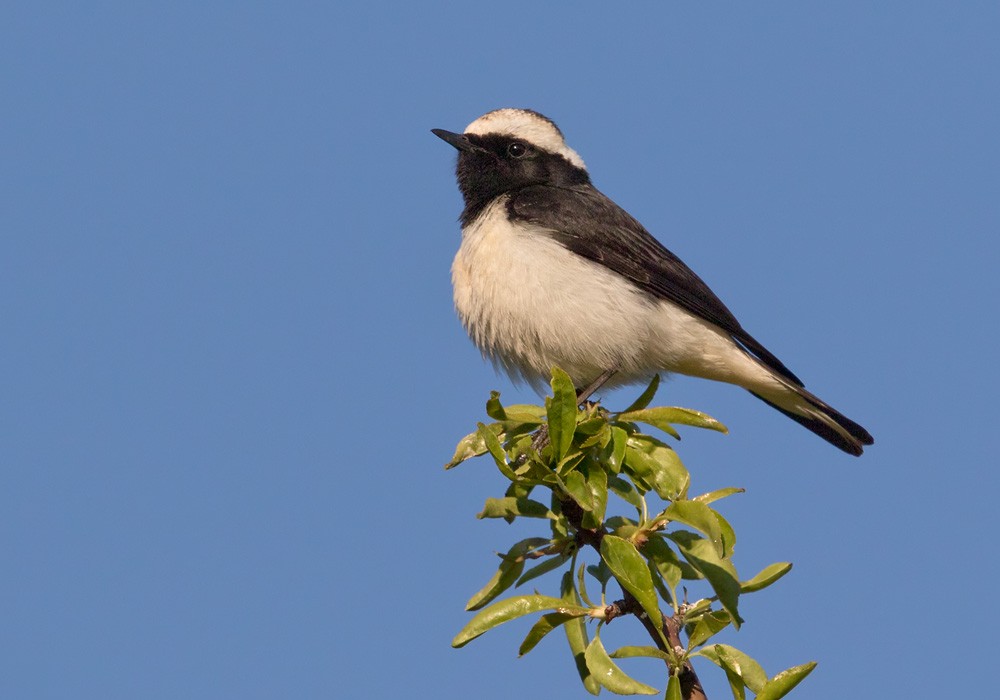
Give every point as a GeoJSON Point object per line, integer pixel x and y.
{"type": "Point", "coordinates": [489, 171]}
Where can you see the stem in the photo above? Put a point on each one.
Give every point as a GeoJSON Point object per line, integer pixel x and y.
{"type": "Point", "coordinates": [670, 626]}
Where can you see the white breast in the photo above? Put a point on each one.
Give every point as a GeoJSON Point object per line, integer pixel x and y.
{"type": "Point", "coordinates": [530, 304]}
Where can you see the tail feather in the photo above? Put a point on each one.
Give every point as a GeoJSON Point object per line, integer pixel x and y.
{"type": "Point", "coordinates": [827, 422]}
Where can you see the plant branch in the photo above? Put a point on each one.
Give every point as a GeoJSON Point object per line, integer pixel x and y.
{"type": "Point", "coordinates": [671, 626]}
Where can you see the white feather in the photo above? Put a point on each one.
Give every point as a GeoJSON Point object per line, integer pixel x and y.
{"type": "Point", "coordinates": [530, 304]}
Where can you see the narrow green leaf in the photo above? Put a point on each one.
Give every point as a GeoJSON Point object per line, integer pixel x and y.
{"type": "Point", "coordinates": [667, 594]}
{"type": "Point", "coordinates": [721, 573]}
{"type": "Point", "coordinates": [671, 416]}
{"type": "Point", "coordinates": [597, 487]}
{"type": "Point", "coordinates": [525, 413]}
{"type": "Point", "coordinates": [649, 417]}
{"type": "Point", "coordinates": [546, 623]}
{"type": "Point", "coordinates": [706, 627]}
{"type": "Point", "coordinates": [495, 449]}
{"type": "Point", "coordinates": [647, 395]}
{"type": "Point", "coordinates": [625, 491]}
{"type": "Point", "coordinates": [619, 439]}
{"type": "Point", "coordinates": [581, 585]}
{"type": "Point", "coordinates": [505, 507]}
{"type": "Point", "coordinates": [674, 689]}
{"type": "Point", "coordinates": [588, 487]}
{"type": "Point", "coordinates": [548, 564]}
{"type": "Point", "coordinates": [733, 669]}
{"type": "Point", "coordinates": [576, 488]}
{"type": "Point", "coordinates": [517, 489]}
{"type": "Point", "coordinates": [700, 517]}
{"type": "Point", "coordinates": [670, 567]}
{"type": "Point", "coordinates": [511, 566]}
{"type": "Point", "coordinates": [765, 578]}
{"type": "Point", "coordinates": [593, 424]}
{"type": "Point", "coordinates": [782, 684]}
{"type": "Point", "coordinates": [510, 609]}
{"type": "Point", "coordinates": [658, 466]}
{"type": "Point", "coordinates": [628, 652]}
{"type": "Point", "coordinates": [630, 570]}
{"type": "Point", "coordinates": [472, 445]}
{"type": "Point", "coordinates": [736, 684]}
{"type": "Point", "coordinates": [718, 494]}
{"type": "Point", "coordinates": [559, 524]}
{"type": "Point", "coordinates": [728, 535]}
{"type": "Point", "coordinates": [609, 675]}
{"type": "Point", "coordinates": [732, 659]}
{"type": "Point", "coordinates": [561, 412]}
{"type": "Point", "coordinates": [576, 635]}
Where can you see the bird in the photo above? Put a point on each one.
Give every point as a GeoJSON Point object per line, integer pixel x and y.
{"type": "Point", "coordinates": [550, 272]}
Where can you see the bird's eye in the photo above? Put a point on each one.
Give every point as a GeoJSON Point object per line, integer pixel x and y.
{"type": "Point", "coordinates": [517, 149]}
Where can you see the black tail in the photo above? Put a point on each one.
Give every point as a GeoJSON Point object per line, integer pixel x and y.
{"type": "Point", "coordinates": [851, 437]}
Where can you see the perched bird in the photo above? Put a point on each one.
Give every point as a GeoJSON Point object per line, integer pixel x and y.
{"type": "Point", "coordinates": [551, 272]}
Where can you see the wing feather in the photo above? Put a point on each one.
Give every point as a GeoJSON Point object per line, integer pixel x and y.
{"type": "Point", "coordinates": [591, 225]}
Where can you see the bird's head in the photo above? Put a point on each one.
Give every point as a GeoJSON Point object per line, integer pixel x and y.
{"type": "Point", "coordinates": [508, 149]}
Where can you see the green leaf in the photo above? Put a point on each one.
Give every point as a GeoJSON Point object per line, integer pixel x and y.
{"type": "Point", "coordinates": [782, 684]}
{"type": "Point", "coordinates": [649, 417]}
{"type": "Point", "coordinates": [700, 517]}
{"type": "Point", "coordinates": [506, 507]}
{"type": "Point", "coordinates": [495, 449]}
{"type": "Point", "coordinates": [619, 439]}
{"type": "Point", "coordinates": [721, 573]}
{"type": "Point", "coordinates": [525, 413]}
{"type": "Point", "coordinates": [630, 570]}
{"type": "Point", "coordinates": [517, 489]}
{"type": "Point", "coordinates": [628, 652]}
{"type": "Point", "coordinates": [739, 663]}
{"type": "Point", "coordinates": [576, 635]}
{"type": "Point", "coordinates": [665, 418]}
{"type": "Point", "coordinates": [706, 627]}
{"type": "Point", "coordinates": [718, 494]}
{"type": "Point", "coordinates": [581, 585]}
{"type": "Point", "coordinates": [646, 396]}
{"type": "Point", "coordinates": [561, 411]}
{"type": "Point", "coordinates": [669, 566]}
{"type": "Point", "coordinates": [658, 466]}
{"type": "Point", "coordinates": [765, 578]}
{"type": "Point", "coordinates": [597, 487]}
{"type": "Point", "coordinates": [549, 564]}
{"type": "Point", "coordinates": [609, 675]}
{"type": "Point", "coordinates": [511, 566]}
{"type": "Point", "coordinates": [674, 689]}
{"type": "Point", "coordinates": [472, 445]}
{"type": "Point", "coordinates": [625, 491]}
{"type": "Point", "coordinates": [667, 594]}
{"type": "Point", "coordinates": [728, 536]}
{"type": "Point", "coordinates": [601, 572]}
{"type": "Point", "coordinates": [493, 407]}
{"type": "Point", "coordinates": [546, 623]}
{"type": "Point", "coordinates": [510, 609]}
{"type": "Point", "coordinates": [736, 684]}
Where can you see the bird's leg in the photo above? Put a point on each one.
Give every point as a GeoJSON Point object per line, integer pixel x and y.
{"type": "Point", "coordinates": [542, 436]}
{"type": "Point", "coordinates": [584, 394]}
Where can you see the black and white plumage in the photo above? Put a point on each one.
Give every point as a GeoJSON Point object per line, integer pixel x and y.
{"type": "Point", "coordinates": [551, 272]}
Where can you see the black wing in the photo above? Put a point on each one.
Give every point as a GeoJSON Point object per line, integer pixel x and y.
{"type": "Point", "coordinates": [592, 226]}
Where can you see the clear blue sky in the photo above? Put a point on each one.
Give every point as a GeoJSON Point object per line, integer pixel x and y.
{"type": "Point", "coordinates": [230, 370]}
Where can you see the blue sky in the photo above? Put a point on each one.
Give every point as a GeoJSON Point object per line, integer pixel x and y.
{"type": "Point", "coordinates": [230, 370]}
